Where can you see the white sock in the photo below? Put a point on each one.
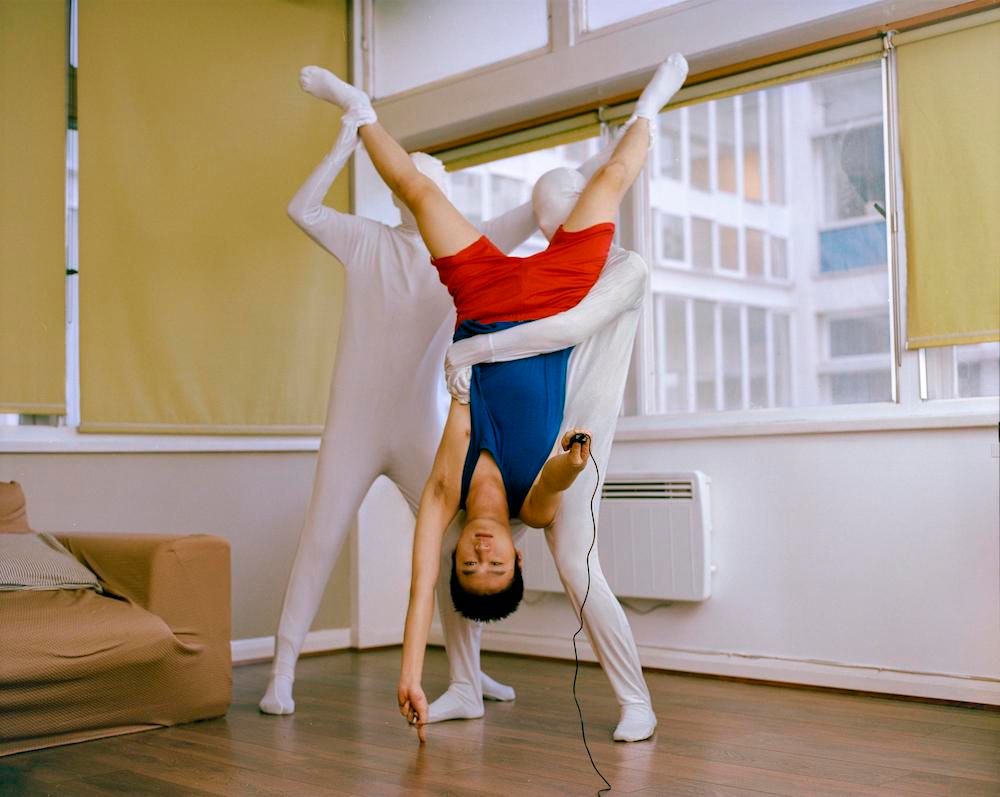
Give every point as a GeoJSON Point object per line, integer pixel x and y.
{"type": "Point", "coordinates": [494, 690]}
{"type": "Point", "coordinates": [668, 79]}
{"type": "Point", "coordinates": [457, 703]}
{"type": "Point", "coordinates": [325, 85]}
{"type": "Point", "coordinates": [278, 697]}
{"type": "Point", "coordinates": [637, 722]}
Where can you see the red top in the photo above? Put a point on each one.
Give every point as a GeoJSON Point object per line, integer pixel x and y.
{"type": "Point", "coordinates": [489, 286]}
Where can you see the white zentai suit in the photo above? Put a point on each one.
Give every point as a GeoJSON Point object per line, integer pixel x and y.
{"type": "Point", "coordinates": [389, 275]}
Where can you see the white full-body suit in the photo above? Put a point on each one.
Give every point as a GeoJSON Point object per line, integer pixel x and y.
{"type": "Point", "coordinates": [384, 418]}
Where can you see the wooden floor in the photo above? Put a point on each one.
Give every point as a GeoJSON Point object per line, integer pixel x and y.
{"type": "Point", "coordinates": [715, 737]}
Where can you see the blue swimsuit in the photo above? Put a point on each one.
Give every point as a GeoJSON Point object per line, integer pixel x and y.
{"type": "Point", "coordinates": [517, 411]}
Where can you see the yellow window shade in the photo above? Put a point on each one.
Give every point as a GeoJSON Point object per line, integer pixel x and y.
{"type": "Point", "coordinates": [32, 206]}
{"type": "Point", "coordinates": [949, 128]}
{"type": "Point", "coordinates": [204, 309]}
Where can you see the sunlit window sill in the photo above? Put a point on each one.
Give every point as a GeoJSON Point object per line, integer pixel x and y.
{"type": "Point", "coordinates": [63, 440]}
{"type": "Point", "coordinates": [940, 414]}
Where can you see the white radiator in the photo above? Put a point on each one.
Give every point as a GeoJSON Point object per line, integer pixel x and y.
{"type": "Point", "coordinates": [653, 539]}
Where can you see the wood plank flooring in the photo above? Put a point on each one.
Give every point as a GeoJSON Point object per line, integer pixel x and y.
{"type": "Point", "coordinates": [716, 738]}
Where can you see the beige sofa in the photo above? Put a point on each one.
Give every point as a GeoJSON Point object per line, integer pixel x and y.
{"type": "Point", "coordinates": [152, 650]}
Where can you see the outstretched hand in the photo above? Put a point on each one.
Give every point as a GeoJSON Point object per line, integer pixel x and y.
{"type": "Point", "coordinates": [413, 706]}
{"type": "Point", "coordinates": [579, 453]}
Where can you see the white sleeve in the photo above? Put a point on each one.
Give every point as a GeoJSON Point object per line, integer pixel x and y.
{"type": "Point", "coordinates": [620, 288]}
{"type": "Point", "coordinates": [341, 234]}
{"type": "Point", "coordinates": [511, 229]}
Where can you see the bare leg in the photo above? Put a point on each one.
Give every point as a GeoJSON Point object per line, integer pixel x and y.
{"type": "Point", "coordinates": [442, 226]}
{"type": "Point", "coordinates": [444, 229]}
{"type": "Point", "coordinates": [600, 199]}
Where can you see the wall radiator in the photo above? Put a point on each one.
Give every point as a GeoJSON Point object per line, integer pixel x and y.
{"type": "Point", "coordinates": [653, 539]}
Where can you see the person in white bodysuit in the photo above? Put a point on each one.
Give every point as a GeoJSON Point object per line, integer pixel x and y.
{"type": "Point", "coordinates": [604, 325]}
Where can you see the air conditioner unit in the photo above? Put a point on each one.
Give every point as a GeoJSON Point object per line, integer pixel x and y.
{"type": "Point", "coordinates": [653, 539]}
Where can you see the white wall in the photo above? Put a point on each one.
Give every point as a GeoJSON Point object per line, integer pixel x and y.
{"type": "Point", "coordinates": [257, 501]}
{"type": "Point", "coordinates": [836, 554]}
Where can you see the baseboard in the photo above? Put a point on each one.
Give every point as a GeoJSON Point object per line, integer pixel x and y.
{"type": "Point", "coordinates": [941, 686]}
{"type": "Point", "coordinates": [261, 648]}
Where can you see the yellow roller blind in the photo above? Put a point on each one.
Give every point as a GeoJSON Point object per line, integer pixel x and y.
{"type": "Point", "coordinates": [203, 308]}
{"type": "Point", "coordinates": [949, 127]}
{"type": "Point", "coordinates": [32, 206]}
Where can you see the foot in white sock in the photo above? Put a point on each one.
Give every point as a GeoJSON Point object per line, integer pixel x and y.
{"type": "Point", "coordinates": [637, 722]}
{"type": "Point", "coordinates": [494, 690]}
{"type": "Point", "coordinates": [458, 703]}
{"type": "Point", "coordinates": [278, 697]}
{"type": "Point", "coordinates": [325, 85]}
{"type": "Point", "coordinates": [669, 77]}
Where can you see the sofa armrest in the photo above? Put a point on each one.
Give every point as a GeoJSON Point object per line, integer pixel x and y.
{"type": "Point", "coordinates": [183, 579]}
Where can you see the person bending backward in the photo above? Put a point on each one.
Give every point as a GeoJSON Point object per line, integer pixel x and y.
{"type": "Point", "coordinates": [492, 458]}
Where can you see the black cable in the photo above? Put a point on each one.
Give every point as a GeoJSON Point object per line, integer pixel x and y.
{"type": "Point", "coordinates": [576, 655]}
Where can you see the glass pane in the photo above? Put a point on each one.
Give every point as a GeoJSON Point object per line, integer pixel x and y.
{"type": "Point", "coordinates": [466, 191]}
{"type": "Point", "coordinates": [669, 154]}
{"type": "Point", "coordinates": [755, 252]}
{"type": "Point", "coordinates": [861, 246]}
{"type": "Point", "coordinates": [850, 337]}
{"type": "Point", "coordinates": [704, 344]}
{"type": "Point", "coordinates": [752, 188]}
{"type": "Point", "coordinates": [732, 357]}
{"type": "Point", "coordinates": [698, 144]}
{"type": "Point", "coordinates": [775, 146]}
{"type": "Point", "coordinates": [781, 326]}
{"type": "Point", "coordinates": [729, 248]}
{"type": "Point", "coordinates": [671, 237]}
{"type": "Point", "coordinates": [775, 257]}
{"type": "Point", "coordinates": [725, 135]}
{"type": "Point", "coordinates": [856, 388]}
{"type": "Point", "coordinates": [491, 189]}
{"type": "Point", "coordinates": [601, 13]}
{"type": "Point", "coordinates": [853, 174]}
{"type": "Point", "coordinates": [971, 371]}
{"type": "Point", "coordinates": [677, 376]}
{"type": "Point", "coordinates": [779, 258]}
{"type": "Point", "coordinates": [757, 335]}
{"type": "Point", "coordinates": [490, 32]}
{"type": "Point", "coordinates": [506, 193]}
{"type": "Point", "coordinates": [701, 244]}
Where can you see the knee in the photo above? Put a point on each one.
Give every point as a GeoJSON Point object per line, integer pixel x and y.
{"type": "Point", "coordinates": [414, 189]}
{"type": "Point", "coordinates": [614, 175]}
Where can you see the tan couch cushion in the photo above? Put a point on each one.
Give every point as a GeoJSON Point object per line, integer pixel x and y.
{"type": "Point", "coordinates": [39, 561]}
{"type": "Point", "coordinates": [13, 510]}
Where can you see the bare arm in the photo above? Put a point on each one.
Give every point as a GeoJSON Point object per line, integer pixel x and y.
{"type": "Point", "coordinates": [558, 473]}
{"type": "Point", "coordinates": [438, 507]}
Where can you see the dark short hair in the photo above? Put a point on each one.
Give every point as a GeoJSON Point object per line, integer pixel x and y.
{"type": "Point", "coordinates": [489, 607]}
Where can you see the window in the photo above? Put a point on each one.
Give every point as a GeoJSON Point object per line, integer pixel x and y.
{"type": "Point", "coordinates": [506, 193]}
{"type": "Point", "coordinates": [601, 13]}
{"type": "Point", "coordinates": [759, 321]}
{"type": "Point", "coordinates": [466, 191]}
{"type": "Point", "coordinates": [671, 237]}
{"type": "Point", "coordinates": [962, 371]}
{"type": "Point", "coordinates": [669, 147]}
{"type": "Point", "coordinates": [490, 189]}
{"type": "Point", "coordinates": [725, 136]}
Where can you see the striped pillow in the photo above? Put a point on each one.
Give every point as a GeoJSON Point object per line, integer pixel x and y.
{"type": "Point", "coordinates": [39, 562]}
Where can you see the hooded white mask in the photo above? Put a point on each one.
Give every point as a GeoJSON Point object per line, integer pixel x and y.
{"type": "Point", "coordinates": [554, 196]}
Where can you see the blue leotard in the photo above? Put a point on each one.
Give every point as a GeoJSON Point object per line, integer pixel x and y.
{"type": "Point", "coordinates": [517, 411]}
